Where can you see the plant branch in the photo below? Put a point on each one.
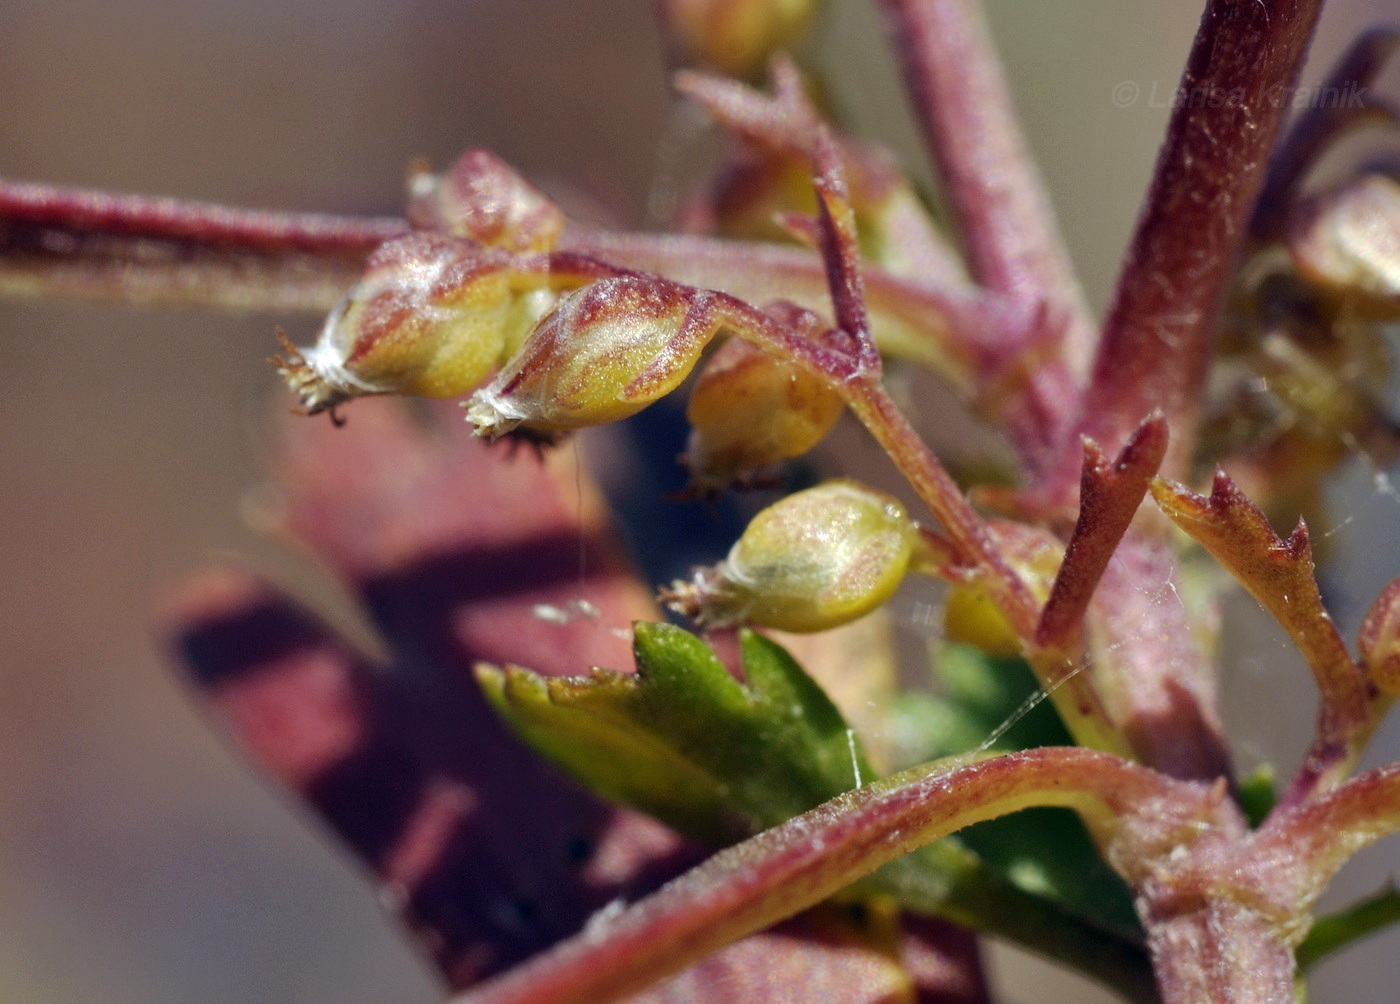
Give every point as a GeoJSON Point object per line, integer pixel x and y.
{"type": "Point", "coordinates": [790, 867]}
{"type": "Point", "coordinates": [1160, 330]}
{"type": "Point", "coordinates": [990, 180]}
{"type": "Point", "coordinates": [73, 243]}
{"type": "Point", "coordinates": [1109, 496]}
{"type": "Point", "coordinates": [1300, 847]}
{"type": "Point", "coordinates": [64, 243]}
{"type": "Point", "coordinates": [1279, 574]}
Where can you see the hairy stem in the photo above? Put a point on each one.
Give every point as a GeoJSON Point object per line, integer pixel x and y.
{"type": "Point", "coordinates": [783, 870]}
{"type": "Point", "coordinates": [78, 244]}
{"type": "Point", "coordinates": [1223, 951]}
{"type": "Point", "coordinates": [990, 180]}
{"type": "Point", "coordinates": [1160, 330]}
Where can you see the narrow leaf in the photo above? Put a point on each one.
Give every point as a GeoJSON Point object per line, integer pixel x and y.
{"type": "Point", "coordinates": [1336, 931]}
{"type": "Point", "coordinates": [1279, 574]}
{"type": "Point", "coordinates": [1109, 496]}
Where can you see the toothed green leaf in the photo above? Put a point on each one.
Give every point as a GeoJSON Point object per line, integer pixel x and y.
{"type": "Point", "coordinates": [683, 740]}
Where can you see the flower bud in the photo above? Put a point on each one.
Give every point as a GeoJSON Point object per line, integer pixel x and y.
{"type": "Point", "coordinates": [428, 317]}
{"type": "Point", "coordinates": [1379, 640]}
{"type": "Point", "coordinates": [1347, 241]}
{"type": "Point", "coordinates": [749, 410]}
{"type": "Point", "coordinates": [481, 198]}
{"type": "Point", "coordinates": [605, 353]}
{"type": "Point", "coordinates": [971, 616]}
{"type": "Point", "coordinates": [735, 37]}
{"type": "Point", "coordinates": [815, 560]}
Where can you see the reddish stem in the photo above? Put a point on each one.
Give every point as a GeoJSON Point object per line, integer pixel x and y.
{"type": "Point", "coordinates": [785, 869]}
{"type": "Point", "coordinates": [1222, 951]}
{"type": "Point", "coordinates": [1160, 330]}
{"type": "Point", "coordinates": [1003, 214]}
{"type": "Point", "coordinates": [61, 242]}
{"type": "Point", "coordinates": [990, 180]}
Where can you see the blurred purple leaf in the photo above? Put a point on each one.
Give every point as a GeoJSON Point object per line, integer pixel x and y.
{"type": "Point", "coordinates": [489, 855]}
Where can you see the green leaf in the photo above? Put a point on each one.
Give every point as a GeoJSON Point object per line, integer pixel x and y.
{"type": "Point", "coordinates": [1336, 931]}
{"type": "Point", "coordinates": [1258, 794]}
{"type": "Point", "coordinates": [683, 740]}
{"type": "Point", "coordinates": [1046, 852]}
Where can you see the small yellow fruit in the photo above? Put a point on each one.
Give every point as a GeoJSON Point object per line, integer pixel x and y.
{"type": "Point", "coordinates": [748, 411]}
{"type": "Point", "coordinates": [428, 317]}
{"type": "Point", "coordinates": [815, 560]}
{"type": "Point", "coordinates": [605, 353]}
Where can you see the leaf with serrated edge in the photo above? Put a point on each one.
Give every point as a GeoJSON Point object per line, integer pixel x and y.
{"type": "Point", "coordinates": [682, 740]}
{"type": "Point", "coordinates": [1279, 574]}
{"type": "Point", "coordinates": [686, 742]}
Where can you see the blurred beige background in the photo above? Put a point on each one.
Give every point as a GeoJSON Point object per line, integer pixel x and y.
{"type": "Point", "coordinates": [139, 861]}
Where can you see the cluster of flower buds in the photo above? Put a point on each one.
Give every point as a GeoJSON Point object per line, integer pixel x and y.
{"type": "Point", "coordinates": [440, 308]}
{"type": "Point", "coordinates": [735, 37]}
{"type": "Point", "coordinates": [605, 353]}
{"type": "Point", "coordinates": [815, 560]}
{"type": "Point", "coordinates": [749, 410]}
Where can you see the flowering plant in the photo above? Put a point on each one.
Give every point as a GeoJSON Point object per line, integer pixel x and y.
{"type": "Point", "coordinates": [1173, 877]}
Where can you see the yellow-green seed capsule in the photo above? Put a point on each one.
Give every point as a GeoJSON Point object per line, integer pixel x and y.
{"type": "Point", "coordinates": [735, 37]}
{"type": "Point", "coordinates": [1347, 241]}
{"type": "Point", "coordinates": [428, 317]}
{"type": "Point", "coordinates": [748, 411]}
{"type": "Point", "coordinates": [605, 353]}
{"type": "Point", "coordinates": [481, 198]}
{"type": "Point", "coordinates": [815, 560]}
{"type": "Point", "coordinates": [971, 616]}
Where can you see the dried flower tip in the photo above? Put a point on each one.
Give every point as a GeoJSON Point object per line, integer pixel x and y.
{"type": "Point", "coordinates": [1379, 640]}
{"type": "Point", "coordinates": [480, 197]}
{"type": "Point", "coordinates": [815, 560]}
{"type": "Point", "coordinates": [735, 37]}
{"type": "Point", "coordinates": [605, 353]}
{"type": "Point", "coordinates": [1347, 240]}
{"type": "Point", "coordinates": [748, 411]}
{"type": "Point", "coordinates": [428, 317]}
